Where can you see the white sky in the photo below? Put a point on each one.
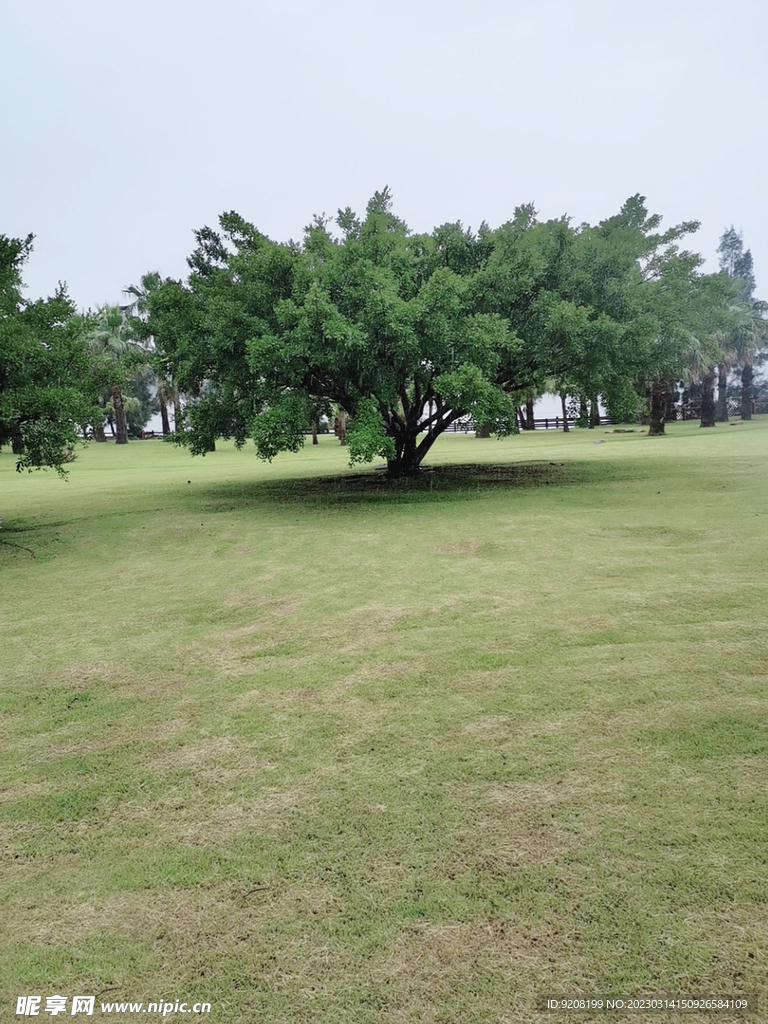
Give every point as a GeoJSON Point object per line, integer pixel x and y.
{"type": "Point", "coordinates": [124, 127]}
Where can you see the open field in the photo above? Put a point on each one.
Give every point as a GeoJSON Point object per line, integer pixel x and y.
{"type": "Point", "coordinates": [315, 748]}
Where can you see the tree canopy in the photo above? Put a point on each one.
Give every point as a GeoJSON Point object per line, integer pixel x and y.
{"type": "Point", "coordinates": [47, 380]}
{"type": "Point", "coordinates": [409, 332]}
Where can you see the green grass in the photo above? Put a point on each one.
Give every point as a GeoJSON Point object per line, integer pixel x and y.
{"type": "Point", "coordinates": [315, 747]}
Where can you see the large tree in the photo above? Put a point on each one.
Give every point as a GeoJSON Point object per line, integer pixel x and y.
{"type": "Point", "coordinates": [406, 333]}
{"type": "Point", "coordinates": [384, 323]}
{"type": "Point", "coordinates": [47, 379]}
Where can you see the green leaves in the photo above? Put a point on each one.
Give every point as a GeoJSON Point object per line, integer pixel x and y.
{"type": "Point", "coordinates": [281, 425]}
{"type": "Point", "coordinates": [367, 438]}
{"type": "Point", "coordinates": [468, 390]}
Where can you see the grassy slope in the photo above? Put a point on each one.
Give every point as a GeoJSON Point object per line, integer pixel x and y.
{"type": "Point", "coordinates": [318, 751]}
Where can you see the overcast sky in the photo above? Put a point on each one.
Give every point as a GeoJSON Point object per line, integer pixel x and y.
{"type": "Point", "coordinates": [127, 126]}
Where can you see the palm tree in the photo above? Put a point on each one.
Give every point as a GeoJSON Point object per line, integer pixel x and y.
{"type": "Point", "coordinates": [697, 354]}
{"type": "Point", "coordinates": [137, 310]}
{"type": "Point", "coordinates": [708, 406]}
{"type": "Point", "coordinates": [748, 340]}
{"type": "Point", "coordinates": [140, 293]}
{"type": "Point", "coordinates": [741, 345]}
{"type": "Point", "coordinates": [110, 342]}
{"type": "Point", "coordinates": [748, 335]}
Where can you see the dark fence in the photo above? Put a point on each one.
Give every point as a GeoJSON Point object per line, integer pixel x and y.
{"type": "Point", "coordinates": [542, 423]}
{"type": "Point", "coordinates": [467, 425]}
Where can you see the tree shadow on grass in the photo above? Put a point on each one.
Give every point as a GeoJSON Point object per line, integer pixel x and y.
{"type": "Point", "coordinates": [433, 483]}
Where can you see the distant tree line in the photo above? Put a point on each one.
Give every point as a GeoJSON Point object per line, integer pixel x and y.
{"type": "Point", "coordinates": [392, 335]}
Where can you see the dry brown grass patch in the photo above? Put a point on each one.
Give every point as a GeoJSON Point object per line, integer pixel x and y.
{"type": "Point", "coordinates": [24, 791]}
{"type": "Point", "coordinates": [197, 756]}
{"type": "Point", "coordinates": [510, 827]}
{"type": "Point", "coordinates": [468, 547]}
{"type": "Point", "coordinates": [82, 673]}
{"type": "Point", "coordinates": [433, 967]}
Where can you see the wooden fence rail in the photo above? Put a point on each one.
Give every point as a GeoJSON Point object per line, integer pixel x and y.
{"type": "Point", "coordinates": [467, 426]}
{"type": "Point", "coordinates": [543, 423]}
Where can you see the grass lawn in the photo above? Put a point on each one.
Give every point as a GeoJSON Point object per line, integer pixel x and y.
{"type": "Point", "coordinates": [317, 748]}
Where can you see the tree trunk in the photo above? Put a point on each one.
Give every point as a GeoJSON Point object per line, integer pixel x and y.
{"type": "Point", "coordinates": [17, 442]}
{"type": "Point", "coordinates": [341, 427]}
{"type": "Point", "coordinates": [483, 430]}
{"type": "Point", "coordinates": [397, 468]}
{"type": "Point", "coordinates": [708, 410]}
{"type": "Point", "coordinates": [409, 458]}
{"type": "Point", "coordinates": [121, 423]}
{"type": "Point", "coordinates": [722, 393]}
{"type": "Point", "coordinates": [409, 448]}
{"type": "Point", "coordinates": [314, 433]}
{"type": "Point", "coordinates": [658, 396]}
{"type": "Point", "coordinates": [164, 419]}
{"type": "Point", "coordinates": [176, 412]}
{"type": "Point", "coordinates": [747, 373]}
{"type": "Point", "coordinates": [566, 428]}
{"type": "Point", "coordinates": [529, 416]}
